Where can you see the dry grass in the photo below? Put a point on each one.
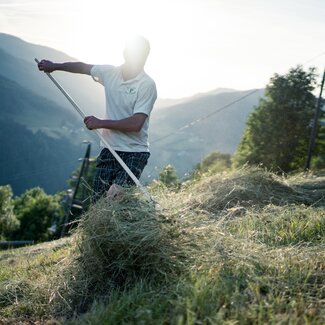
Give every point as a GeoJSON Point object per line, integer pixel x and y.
{"type": "Point", "coordinates": [117, 244]}
{"type": "Point", "coordinates": [248, 187]}
{"type": "Point", "coordinates": [245, 247]}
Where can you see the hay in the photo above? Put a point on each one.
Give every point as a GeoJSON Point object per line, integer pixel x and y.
{"type": "Point", "coordinates": [118, 244]}
{"type": "Point", "coordinates": [115, 245]}
{"type": "Point", "coordinates": [246, 187]}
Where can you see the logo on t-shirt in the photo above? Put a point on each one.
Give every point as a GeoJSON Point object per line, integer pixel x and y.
{"type": "Point", "coordinates": [130, 90]}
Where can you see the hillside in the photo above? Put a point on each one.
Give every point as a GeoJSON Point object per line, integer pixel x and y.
{"type": "Point", "coordinates": [185, 148]}
{"type": "Point", "coordinates": [35, 112]}
{"type": "Point", "coordinates": [17, 64]}
{"type": "Point", "coordinates": [35, 159]}
{"type": "Point", "coordinates": [242, 247]}
{"type": "Point", "coordinates": [40, 139]}
{"type": "Point", "coordinates": [167, 102]}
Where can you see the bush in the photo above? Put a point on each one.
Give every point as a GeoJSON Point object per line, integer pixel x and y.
{"type": "Point", "coordinates": [168, 176]}
{"type": "Point", "coordinates": [37, 212]}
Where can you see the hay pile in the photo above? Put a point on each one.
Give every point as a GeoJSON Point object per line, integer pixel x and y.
{"type": "Point", "coordinates": [246, 187]}
{"type": "Point", "coordinates": [116, 244]}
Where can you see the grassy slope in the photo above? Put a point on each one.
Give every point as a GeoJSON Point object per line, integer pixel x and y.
{"type": "Point", "coordinates": [257, 256]}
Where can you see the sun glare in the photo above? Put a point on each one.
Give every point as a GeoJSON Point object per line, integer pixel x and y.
{"type": "Point", "coordinates": [105, 26]}
{"type": "Point", "coordinates": [196, 45]}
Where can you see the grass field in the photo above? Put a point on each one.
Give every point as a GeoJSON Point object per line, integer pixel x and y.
{"type": "Point", "coordinates": [242, 247]}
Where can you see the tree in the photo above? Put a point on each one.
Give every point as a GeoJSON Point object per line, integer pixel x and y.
{"type": "Point", "coordinates": [318, 161]}
{"type": "Point", "coordinates": [277, 132]}
{"type": "Point", "coordinates": [168, 176]}
{"type": "Point", "coordinates": [8, 221]}
{"type": "Point", "coordinates": [37, 212]}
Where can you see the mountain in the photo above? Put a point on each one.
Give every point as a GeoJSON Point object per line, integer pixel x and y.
{"type": "Point", "coordinates": [37, 120]}
{"type": "Point", "coordinates": [36, 112]}
{"type": "Point", "coordinates": [19, 48]}
{"type": "Point", "coordinates": [35, 159]}
{"type": "Point", "coordinates": [167, 102]}
{"type": "Point", "coordinates": [184, 148]}
{"type": "Point", "coordinates": [40, 141]}
{"type": "Point", "coordinates": [17, 64]}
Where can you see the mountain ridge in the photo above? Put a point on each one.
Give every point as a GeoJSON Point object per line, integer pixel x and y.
{"type": "Point", "coordinates": [168, 102]}
{"type": "Point", "coordinates": [21, 67]}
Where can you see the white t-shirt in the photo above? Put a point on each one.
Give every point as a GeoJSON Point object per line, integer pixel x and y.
{"type": "Point", "coordinates": [123, 99]}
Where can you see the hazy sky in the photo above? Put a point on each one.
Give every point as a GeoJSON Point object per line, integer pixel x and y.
{"type": "Point", "coordinates": [197, 45]}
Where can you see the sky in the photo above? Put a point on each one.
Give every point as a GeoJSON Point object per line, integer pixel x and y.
{"type": "Point", "coordinates": [196, 45]}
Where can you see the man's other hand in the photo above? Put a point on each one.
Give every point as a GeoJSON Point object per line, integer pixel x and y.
{"type": "Point", "coordinates": [92, 122]}
{"type": "Point", "coordinates": [46, 66]}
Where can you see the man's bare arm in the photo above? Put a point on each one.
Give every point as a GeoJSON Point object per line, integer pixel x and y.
{"type": "Point", "coordinates": [74, 67]}
{"type": "Point", "coordinates": [133, 123]}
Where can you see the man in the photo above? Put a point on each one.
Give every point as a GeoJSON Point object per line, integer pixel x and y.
{"type": "Point", "coordinates": [130, 96]}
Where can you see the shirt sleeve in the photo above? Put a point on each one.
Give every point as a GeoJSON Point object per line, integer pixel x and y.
{"type": "Point", "coordinates": [98, 72]}
{"type": "Point", "coordinates": [147, 96]}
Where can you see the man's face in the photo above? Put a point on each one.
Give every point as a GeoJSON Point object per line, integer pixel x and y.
{"type": "Point", "coordinates": [136, 52]}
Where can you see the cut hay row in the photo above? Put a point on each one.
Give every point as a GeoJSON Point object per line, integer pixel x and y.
{"type": "Point", "coordinates": [246, 187]}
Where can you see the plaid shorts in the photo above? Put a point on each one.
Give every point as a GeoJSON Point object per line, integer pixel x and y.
{"type": "Point", "coordinates": [109, 171]}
